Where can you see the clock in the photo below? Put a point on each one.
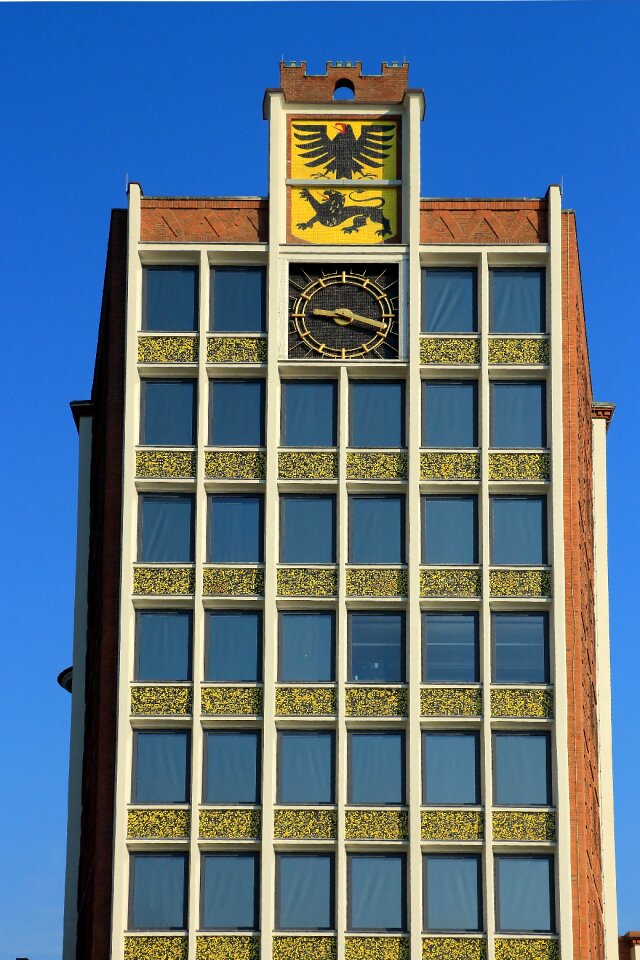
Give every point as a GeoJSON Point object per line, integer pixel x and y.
{"type": "Point", "coordinates": [343, 312]}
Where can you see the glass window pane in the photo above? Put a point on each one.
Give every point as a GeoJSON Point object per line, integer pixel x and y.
{"type": "Point", "coordinates": [167, 528]}
{"type": "Point", "coordinates": [377, 892]}
{"type": "Point", "coordinates": [236, 413]}
{"type": "Point", "coordinates": [232, 766]}
{"type": "Point", "coordinates": [376, 413]}
{"type": "Point", "coordinates": [449, 301]}
{"type": "Point", "coordinates": [306, 647]}
{"type": "Point", "coordinates": [377, 647]}
{"type": "Point", "coordinates": [519, 530]}
{"type": "Point", "coordinates": [168, 413]}
{"type": "Point", "coordinates": [520, 648]}
{"type": "Point", "coordinates": [517, 301]}
{"type": "Point", "coordinates": [305, 767]}
{"type": "Point", "coordinates": [307, 529]}
{"type": "Point", "coordinates": [450, 768]}
{"type": "Point", "coordinates": [452, 898]}
{"type": "Point", "coordinates": [525, 894]}
{"type": "Point", "coordinates": [170, 296]}
{"type": "Point", "coordinates": [234, 646]}
{"type": "Point", "coordinates": [449, 414]}
{"type": "Point", "coordinates": [238, 299]}
{"type": "Point", "coordinates": [522, 769]}
{"type": "Point", "coordinates": [235, 529]}
{"type": "Point", "coordinates": [304, 892]}
{"type": "Point", "coordinates": [158, 891]}
{"type": "Point", "coordinates": [161, 766]}
{"type": "Point", "coordinates": [518, 415]}
{"type": "Point", "coordinates": [376, 768]}
{"type": "Point", "coordinates": [449, 530]}
{"type": "Point", "coordinates": [376, 529]}
{"type": "Point", "coordinates": [230, 891]}
{"type": "Point", "coordinates": [308, 413]}
{"type": "Point", "coordinates": [450, 648]}
{"type": "Point", "coordinates": [163, 645]}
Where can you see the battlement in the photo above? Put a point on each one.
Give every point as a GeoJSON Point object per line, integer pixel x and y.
{"type": "Point", "coordinates": [389, 86]}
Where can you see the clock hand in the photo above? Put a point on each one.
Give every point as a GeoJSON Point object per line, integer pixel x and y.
{"type": "Point", "coordinates": [345, 316]}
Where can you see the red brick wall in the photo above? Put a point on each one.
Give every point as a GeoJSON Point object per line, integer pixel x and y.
{"type": "Point", "coordinates": [204, 220]}
{"type": "Point", "coordinates": [483, 221]}
{"type": "Point", "coordinates": [389, 87]}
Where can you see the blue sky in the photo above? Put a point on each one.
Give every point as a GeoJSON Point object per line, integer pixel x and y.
{"type": "Point", "coordinates": [519, 95]}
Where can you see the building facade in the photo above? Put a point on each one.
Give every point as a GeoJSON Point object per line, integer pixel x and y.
{"type": "Point", "coordinates": [341, 658]}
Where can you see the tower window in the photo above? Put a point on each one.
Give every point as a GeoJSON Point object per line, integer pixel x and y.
{"type": "Point", "coordinates": [238, 299]}
{"type": "Point", "coordinates": [376, 413]}
{"type": "Point", "coordinates": [306, 766]}
{"type": "Point", "coordinates": [166, 528]}
{"type": "Point", "coordinates": [304, 891]}
{"type": "Point", "coordinates": [236, 529]}
{"type": "Point", "coordinates": [230, 885]}
{"type": "Point", "coordinates": [449, 413]}
{"type": "Point", "coordinates": [308, 413]}
{"type": "Point", "coordinates": [163, 645]}
{"type": "Point", "coordinates": [377, 892]}
{"type": "Point", "coordinates": [168, 413]}
{"type": "Point", "coordinates": [452, 893]}
{"type": "Point", "coordinates": [376, 768]}
{"type": "Point", "coordinates": [376, 529]}
{"type": "Point", "coordinates": [518, 414]}
{"type": "Point", "coordinates": [449, 530]}
{"type": "Point", "coordinates": [236, 413]}
{"type": "Point", "coordinates": [233, 646]}
{"type": "Point", "coordinates": [518, 530]}
{"type": "Point", "coordinates": [158, 891]}
{"type": "Point", "coordinates": [520, 647]}
{"type": "Point", "coordinates": [522, 769]}
{"type": "Point", "coordinates": [449, 301]}
{"type": "Point", "coordinates": [170, 299]}
{"type": "Point", "coordinates": [451, 767]}
{"type": "Point", "coordinates": [517, 301]}
{"type": "Point", "coordinates": [161, 766]}
{"type": "Point", "coordinates": [450, 648]}
{"type": "Point", "coordinates": [525, 895]}
{"type": "Point", "coordinates": [307, 529]}
{"type": "Point", "coordinates": [232, 766]}
{"type": "Point", "coordinates": [377, 647]}
{"type": "Point", "coordinates": [307, 647]}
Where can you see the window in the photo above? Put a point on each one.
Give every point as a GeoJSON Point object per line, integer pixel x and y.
{"type": "Point", "coordinates": [168, 413]}
{"type": "Point", "coordinates": [517, 301]}
{"type": "Point", "coordinates": [377, 892]}
{"type": "Point", "coordinates": [236, 528]}
{"type": "Point", "coordinates": [308, 413]}
{"type": "Point", "coordinates": [233, 646]}
{"type": "Point", "coordinates": [236, 413]}
{"type": "Point", "coordinates": [163, 645]}
{"type": "Point", "coordinates": [158, 891]}
{"type": "Point", "coordinates": [305, 767]}
{"type": "Point", "coordinates": [522, 769]}
{"type": "Point", "coordinates": [520, 647]}
{"type": "Point", "coordinates": [449, 413]}
{"type": "Point", "coordinates": [230, 891]}
{"type": "Point", "coordinates": [307, 645]}
{"type": "Point", "coordinates": [518, 530]}
{"type": "Point", "coordinates": [452, 893]}
{"type": "Point", "coordinates": [450, 768]}
{"type": "Point", "coordinates": [238, 299]}
{"type": "Point", "coordinates": [449, 301]}
{"type": "Point", "coordinates": [166, 528]}
{"type": "Point", "coordinates": [525, 895]}
{"type": "Point", "coordinates": [449, 530]}
{"type": "Point", "coordinates": [518, 414]}
{"type": "Point", "coordinates": [450, 648]}
{"type": "Point", "coordinates": [307, 529]}
{"type": "Point", "coordinates": [377, 647]}
{"type": "Point", "coordinates": [376, 529]}
{"type": "Point", "coordinates": [160, 766]}
{"type": "Point", "coordinates": [170, 298]}
{"type": "Point", "coordinates": [304, 891]}
{"type": "Point", "coordinates": [376, 413]}
{"type": "Point", "coordinates": [376, 768]}
{"type": "Point", "coordinates": [232, 766]}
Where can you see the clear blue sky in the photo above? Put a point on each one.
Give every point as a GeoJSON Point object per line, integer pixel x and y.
{"type": "Point", "coordinates": [519, 95]}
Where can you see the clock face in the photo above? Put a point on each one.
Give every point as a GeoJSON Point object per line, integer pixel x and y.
{"type": "Point", "coordinates": [342, 312]}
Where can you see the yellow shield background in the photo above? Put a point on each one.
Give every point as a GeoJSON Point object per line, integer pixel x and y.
{"type": "Point", "coordinates": [301, 171]}
{"type": "Point", "coordinates": [364, 201]}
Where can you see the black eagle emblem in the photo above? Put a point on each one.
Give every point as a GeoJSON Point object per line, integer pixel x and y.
{"type": "Point", "coordinates": [346, 155]}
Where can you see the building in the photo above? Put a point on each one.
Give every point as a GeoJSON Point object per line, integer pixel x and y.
{"type": "Point", "coordinates": [341, 667]}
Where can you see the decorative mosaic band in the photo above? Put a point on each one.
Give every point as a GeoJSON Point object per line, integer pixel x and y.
{"type": "Point", "coordinates": [232, 701]}
{"type": "Point", "coordinates": [304, 824]}
{"type": "Point", "coordinates": [524, 825]}
{"type": "Point", "coordinates": [375, 702]}
{"type": "Point", "coordinates": [230, 824]}
{"type": "Point", "coordinates": [377, 948]}
{"type": "Point", "coordinates": [235, 464]}
{"type": "Point", "coordinates": [449, 466]}
{"type": "Point", "coordinates": [449, 350]}
{"type": "Point", "coordinates": [156, 948]}
{"type": "Point", "coordinates": [453, 948]}
{"type": "Point", "coordinates": [307, 582]}
{"type": "Point", "coordinates": [158, 824]}
{"type": "Point", "coordinates": [376, 825]}
{"type": "Point", "coordinates": [526, 704]}
{"type": "Point", "coordinates": [519, 466]}
{"type": "Point", "coordinates": [168, 349]}
{"type": "Point", "coordinates": [155, 700]}
{"type": "Point", "coordinates": [232, 582]}
{"type": "Point", "coordinates": [161, 464]}
{"type": "Point", "coordinates": [305, 701]}
{"type": "Point", "coordinates": [376, 466]}
{"type": "Point", "coordinates": [520, 583]}
{"type": "Point", "coordinates": [450, 702]}
{"type": "Point", "coordinates": [452, 824]}
{"type": "Point", "coordinates": [449, 582]}
{"type": "Point", "coordinates": [227, 948]}
{"type": "Point", "coordinates": [366, 582]}
{"type": "Point", "coordinates": [236, 350]}
{"type": "Point", "coordinates": [307, 465]}
{"type": "Point", "coordinates": [164, 581]}
{"type": "Point", "coordinates": [304, 948]}
{"type": "Point", "coordinates": [513, 948]}
{"type": "Point", "coordinates": [516, 350]}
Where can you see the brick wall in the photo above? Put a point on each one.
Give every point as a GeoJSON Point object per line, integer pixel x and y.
{"type": "Point", "coordinates": [483, 221]}
{"type": "Point", "coordinates": [204, 220]}
{"type": "Point", "coordinates": [389, 86]}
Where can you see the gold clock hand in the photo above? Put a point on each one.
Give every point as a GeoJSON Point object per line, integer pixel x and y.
{"type": "Point", "coordinates": [345, 316]}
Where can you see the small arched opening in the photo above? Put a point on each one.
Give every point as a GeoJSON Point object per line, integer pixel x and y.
{"type": "Point", "coordinates": [344, 90]}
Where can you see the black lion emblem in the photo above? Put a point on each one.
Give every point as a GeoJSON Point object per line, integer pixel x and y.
{"type": "Point", "coordinates": [332, 211]}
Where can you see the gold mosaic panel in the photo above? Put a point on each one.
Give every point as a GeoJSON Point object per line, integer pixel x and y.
{"type": "Point", "coordinates": [234, 464]}
{"type": "Point", "coordinates": [536, 704]}
{"type": "Point", "coordinates": [230, 824]}
{"type": "Point", "coordinates": [519, 466]}
{"type": "Point", "coordinates": [375, 702]}
{"type": "Point", "coordinates": [307, 465]}
{"type": "Point", "coordinates": [513, 948]}
{"type": "Point", "coordinates": [305, 701]}
{"type": "Point", "coordinates": [520, 583]}
{"type": "Point", "coordinates": [236, 350]}
{"type": "Point", "coordinates": [227, 948]}
{"type": "Point", "coordinates": [168, 349]}
{"type": "Point", "coordinates": [524, 825]}
{"type": "Point", "coordinates": [307, 582]}
{"type": "Point", "coordinates": [304, 948]}
{"type": "Point", "coordinates": [447, 582]}
{"type": "Point", "coordinates": [158, 824]}
{"type": "Point", "coordinates": [158, 464]}
{"type": "Point", "coordinates": [376, 466]}
{"type": "Point", "coordinates": [163, 581]}
{"type": "Point", "coordinates": [156, 700]}
{"type": "Point", "coordinates": [376, 825]}
{"type": "Point", "coordinates": [450, 350]}
{"type": "Point", "coordinates": [232, 582]}
{"type": "Point", "coordinates": [377, 948]}
{"type": "Point", "coordinates": [365, 582]}
{"type": "Point", "coordinates": [450, 702]}
{"type": "Point", "coordinates": [452, 824]}
{"type": "Point", "coordinates": [156, 948]}
{"type": "Point", "coordinates": [517, 350]}
{"type": "Point", "coordinates": [453, 948]}
{"type": "Point", "coordinates": [450, 466]}
{"type": "Point", "coordinates": [304, 824]}
{"type": "Point", "coordinates": [232, 701]}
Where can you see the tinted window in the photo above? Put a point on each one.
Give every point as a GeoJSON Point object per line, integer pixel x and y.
{"type": "Point", "coordinates": [307, 529]}
{"type": "Point", "coordinates": [158, 891]}
{"type": "Point", "coordinates": [517, 301]}
{"type": "Point", "coordinates": [170, 298]}
{"type": "Point", "coordinates": [232, 766]}
{"type": "Point", "coordinates": [450, 768]}
{"type": "Point", "coordinates": [376, 529]}
{"type": "Point", "coordinates": [168, 413]}
{"type": "Point", "coordinates": [376, 768]}
{"type": "Point", "coordinates": [450, 648]}
{"type": "Point", "coordinates": [525, 894]}
{"type": "Point", "coordinates": [377, 892]}
{"type": "Point", "coordinates": [230, 891]}
{"type": "Point", "coordinates": [236, 413]}
{"type": "Point", "coordinates": [449, 530]}
{"type": "Point", "coordinates": [449, 414]}
{"type": "Point", "coordinates": [235, 529]}
{"type": "Point", "coordinates": [376, 413]}
{"type": "Point", "coordinates": [166, 534]}
{"type": "Point", "coordinates": [452, 896]}
{"type": "Point", "coordinates": [234, 646]}
{"type": "Point", "coordinates": [518, 530]}
{"type": "Point", "coordinates": [449, 301]}
{"type": "Point", "coordinates": [520, 647]}
{"type": "Point", "coordinates": [308, 413]}
{"type": "Point", "coordinates": [518, 415]}
{"type": "Point", "coordinates": [238, 299]}
{"type": "Point", "coordinates": [305, 767]}
{"type": "Point", "coordinates": [522, 769]}
{"type": "Point", "coordinates": [163, 645]}
{"type": "Point", "coordinates": [306, 647]}
{"type": "Point", "coordinates": [161, 766]}
{"type": "Point", "coordinates": [304, 892]}
{"type": "Point", "coordinates": [377, 647]}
